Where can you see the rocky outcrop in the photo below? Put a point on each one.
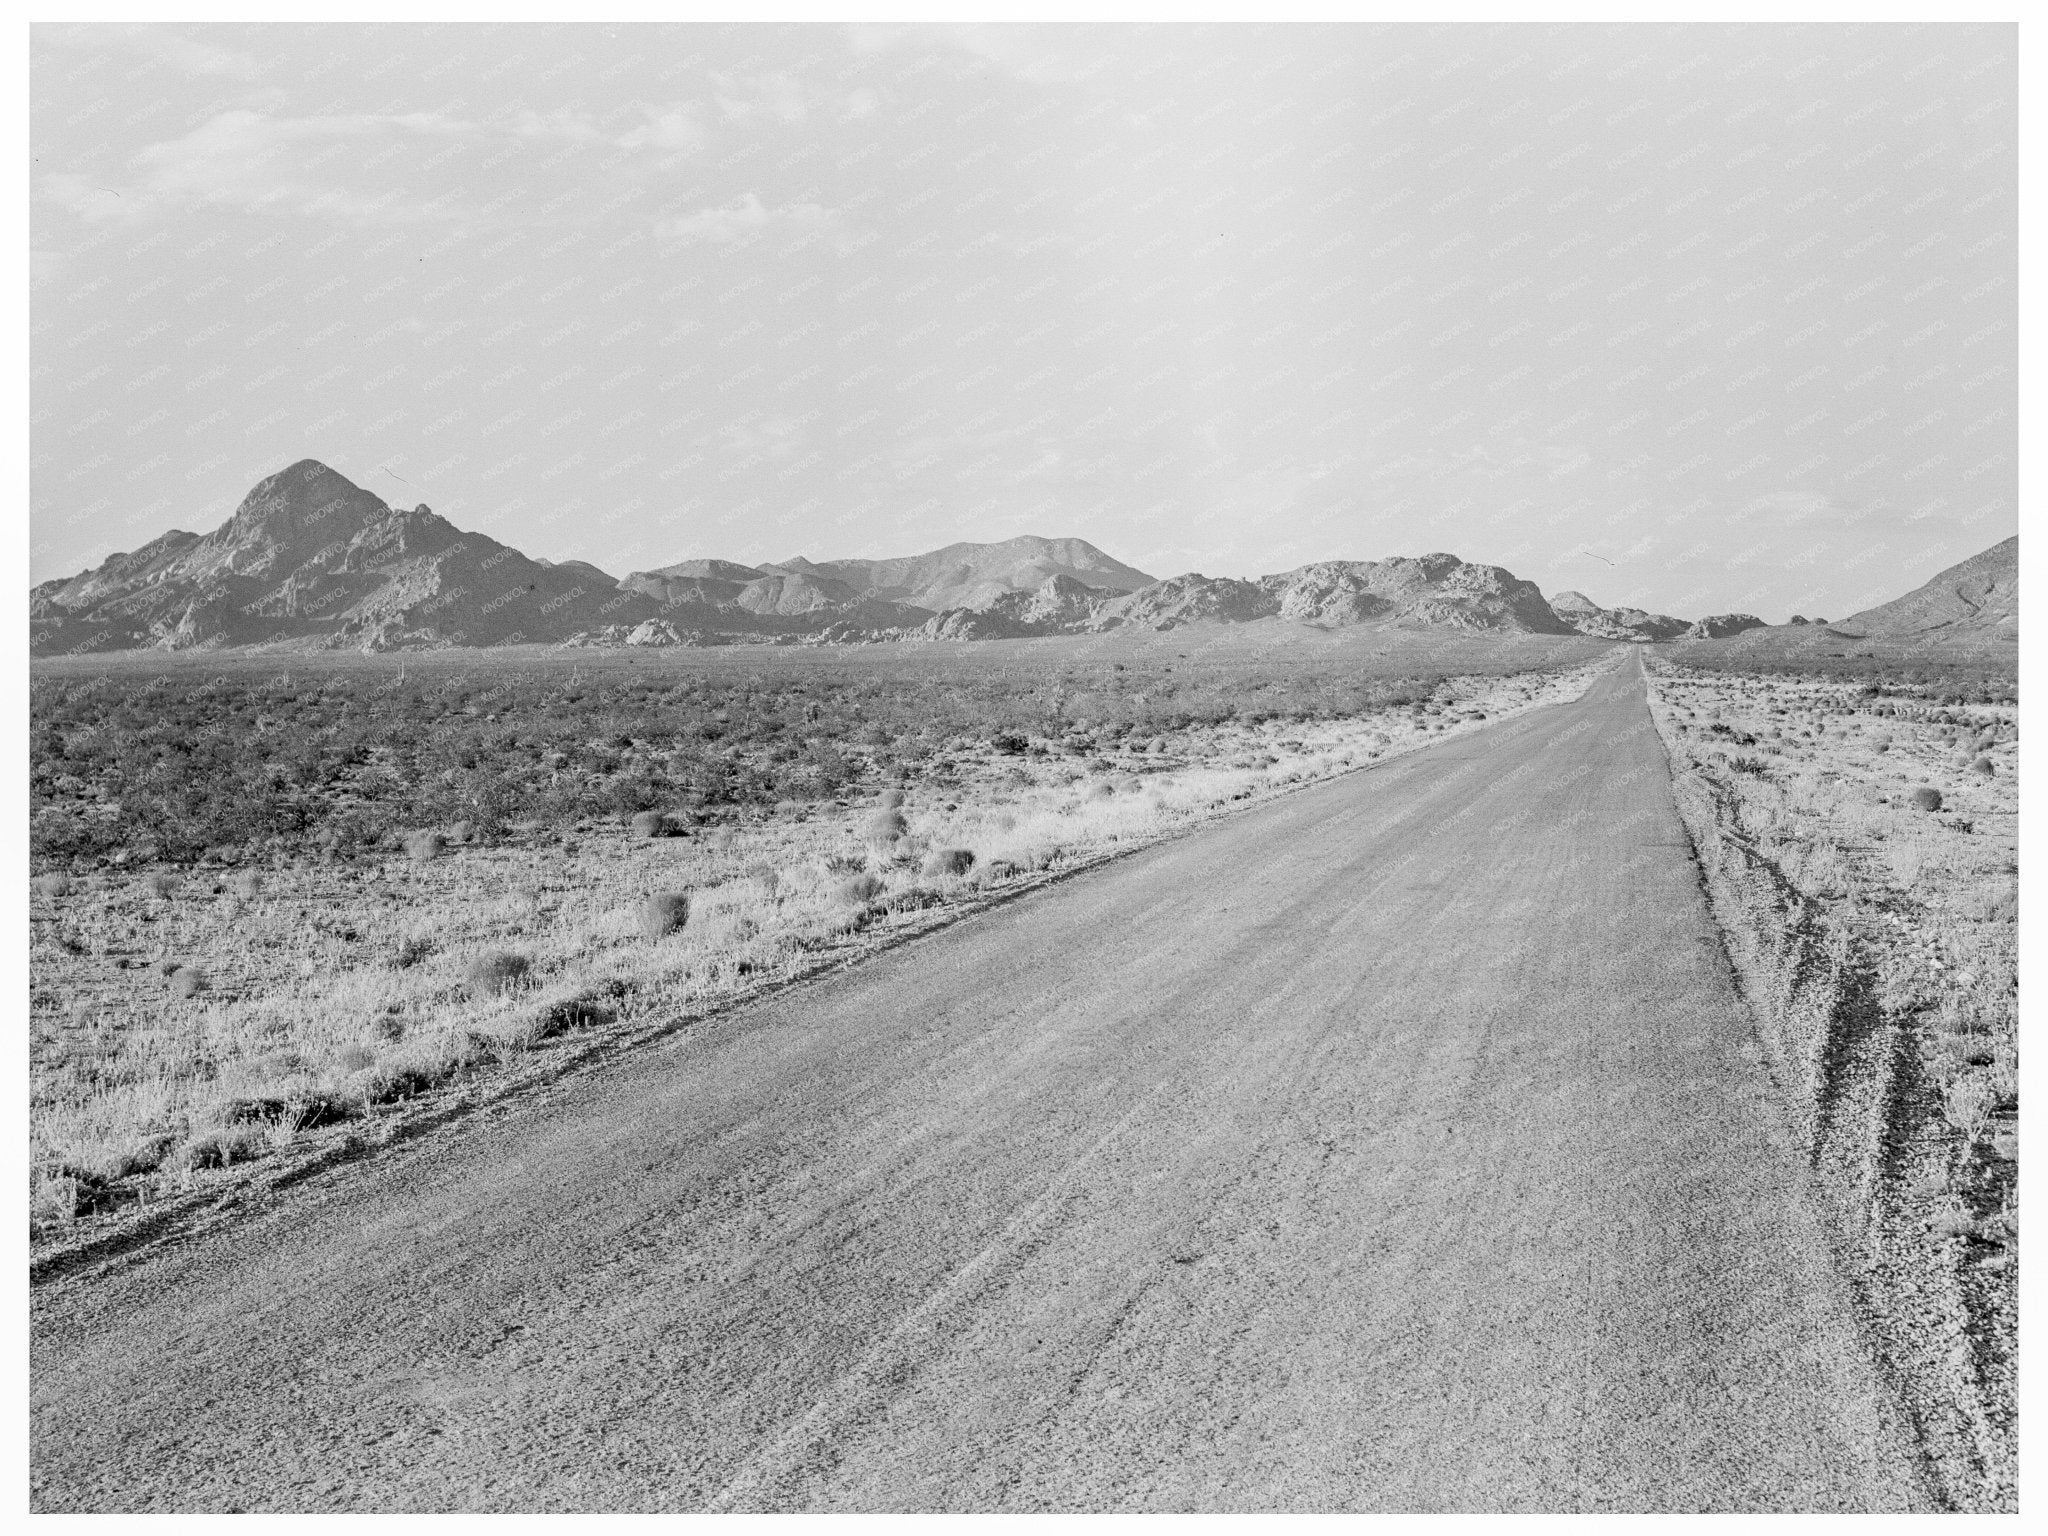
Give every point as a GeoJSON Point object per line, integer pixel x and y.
{"type": "Point", "coordinates": [1634, 624]}
{"type": "Point", "coordinates": [1437, 591]}
{"type": "Point", "coordinates": [1061, 605]}
{"type": "Point", "coordinates": [973, 576]}
{"type": "Point", "coordinates": [1720, 626]}
{"type": "Point", "coordinates": [1190, 599]}
{"type": "Point", "coordinates": [1434, 590]}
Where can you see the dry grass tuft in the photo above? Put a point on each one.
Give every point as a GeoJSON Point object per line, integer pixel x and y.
{"type": "Point", "coordinates": [861, 888]}
{"type": "Point", "coordinates": [664, 913]}
{"type": "Point", "coordinates": [496, 971]}
{"type": "Point", "coordinates": [887, 826]}
{"type": "Point", "coordinates": [948, 862]}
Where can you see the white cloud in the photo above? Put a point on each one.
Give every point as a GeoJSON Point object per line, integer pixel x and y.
{"type": "Point", "coordinates": [1039, 55]}
{"type": "Point", "coordinates": [257, 162]}
{"type": "Point", "coordinates": [788, 98]}
{"type": "Point", "coordinates": [177, 49]}
{"type": "Point", "coordinates": [747, 218]}
{"type": "Point", "coordinates": [1799, 507]}
{"type": "Point", "coordinates": [781, 97]}
{"type": "Point", "coordinates": [562, 123]}
{"type": "Point", "coordinates": [669, 128]}
{"type": "Point", "coordinates": [763, 437]}
{"type": "Point", "coordinates": [249, 161]}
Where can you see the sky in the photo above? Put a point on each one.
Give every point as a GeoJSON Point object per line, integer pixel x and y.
{"type": "Point", "coordinates": [1698, 318]}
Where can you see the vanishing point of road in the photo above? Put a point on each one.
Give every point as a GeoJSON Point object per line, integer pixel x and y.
{"type": "Point", "coordinates": [1398, 1145]}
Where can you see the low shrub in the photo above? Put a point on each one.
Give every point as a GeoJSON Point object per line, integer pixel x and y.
{"type": "Point", "coordinates": [425, 845]}
{"type": "Point", "coordinates": [187, 981]}
{"type": "Point", "coordinates": [160, 882]}
{"type": "Point", "coordinates": [496, 971]}
{"type": "Point", "coordinates": [942, 862]}
{"type": "Point", "coordinates": [664, 913]}
{"type": "Point", "coordinates": [586, 1009]}
{"type": "Point", "coordinates": [650, 824]}
{"type": "Point", "coordinates": [1972, 1050]}
{"type": "Point", "coordinates": [1927, 798]}
{"type": "Point", "coordinates": [222, 1146]}
{"type": "Point", "coordinates": [1983, 766]}
{"type": "Point", "coordinates": [51, 887]}
{"type": "Point", "coordinates": [248, 884]}
{"type": "Point", "coordinates": [860, 888]}
{"type": "Point", "coordinates": [888, 826]}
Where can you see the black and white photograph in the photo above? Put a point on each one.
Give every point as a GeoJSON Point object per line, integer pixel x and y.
{"type": "Point", "coordinates": [1211, 764]}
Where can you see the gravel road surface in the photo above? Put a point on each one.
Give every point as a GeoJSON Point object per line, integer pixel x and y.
{"type": "Point", "coordinates": [1401, 1144]}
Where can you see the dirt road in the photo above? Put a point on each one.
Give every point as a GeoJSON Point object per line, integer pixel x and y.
{"type": "Point", "coordinates": [1399, 1145]}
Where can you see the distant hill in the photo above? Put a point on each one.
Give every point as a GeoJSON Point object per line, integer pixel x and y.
{"type": "Point", "coordinates": [1429, 591]}
{"type": "Point", "coordinates": [1969, 609]}
{"type": "Point", "coordinates": [975, 575]}
{"type": "Point", "coordinates": [310, 559]}
{"type": "Point", "coordinates": [1720, 626]}
{"type": "Point", "coordinates": [880, 594]}
{"type": "Point", "coordinates": [1589, 618]}
{"type": "Point", "coordinates": [1979, 596]}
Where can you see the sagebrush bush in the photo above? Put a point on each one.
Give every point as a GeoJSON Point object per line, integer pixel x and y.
{"type": "Point", "coordinates": [187, 981]}
{"type": "Point", "coordinates": [887, 827]}
{"type": "Point", "coordinates": [497, 970]}
{"type": "Point", "coordinates": [650, 824]}
{"type": "Point", "coordinates": [160, 882]}
{"type": "Point", "coordinates": [248, 884]}
{"type": "Point", "coordinates": [892, 799]}
{"type": "Point", "coordinates": [1983, 766]}
{"type": "Point", "coordinates": [1927, 798]}
{"type": "Point", "coordinates": [425, 845]}
{"type": "Point", "coordinates": [941, 862]}
{"type": "Point", "coordinates": [860, 888]}
{"type": "Point", "coordinates": [51, 887]}
{"type": "Point", "coordinates": [664, 913]}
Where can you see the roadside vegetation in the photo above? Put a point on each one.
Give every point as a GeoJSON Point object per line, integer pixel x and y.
{"type": "Point", "coordinates": [461, 880]}
{"type": "Point", "coordinates": [248, 759]}
{"type": "Point", "coordinates": [1859, 833]}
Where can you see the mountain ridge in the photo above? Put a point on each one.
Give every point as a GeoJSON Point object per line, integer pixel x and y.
{"type": "Point", "coordinates": [311, 560]}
